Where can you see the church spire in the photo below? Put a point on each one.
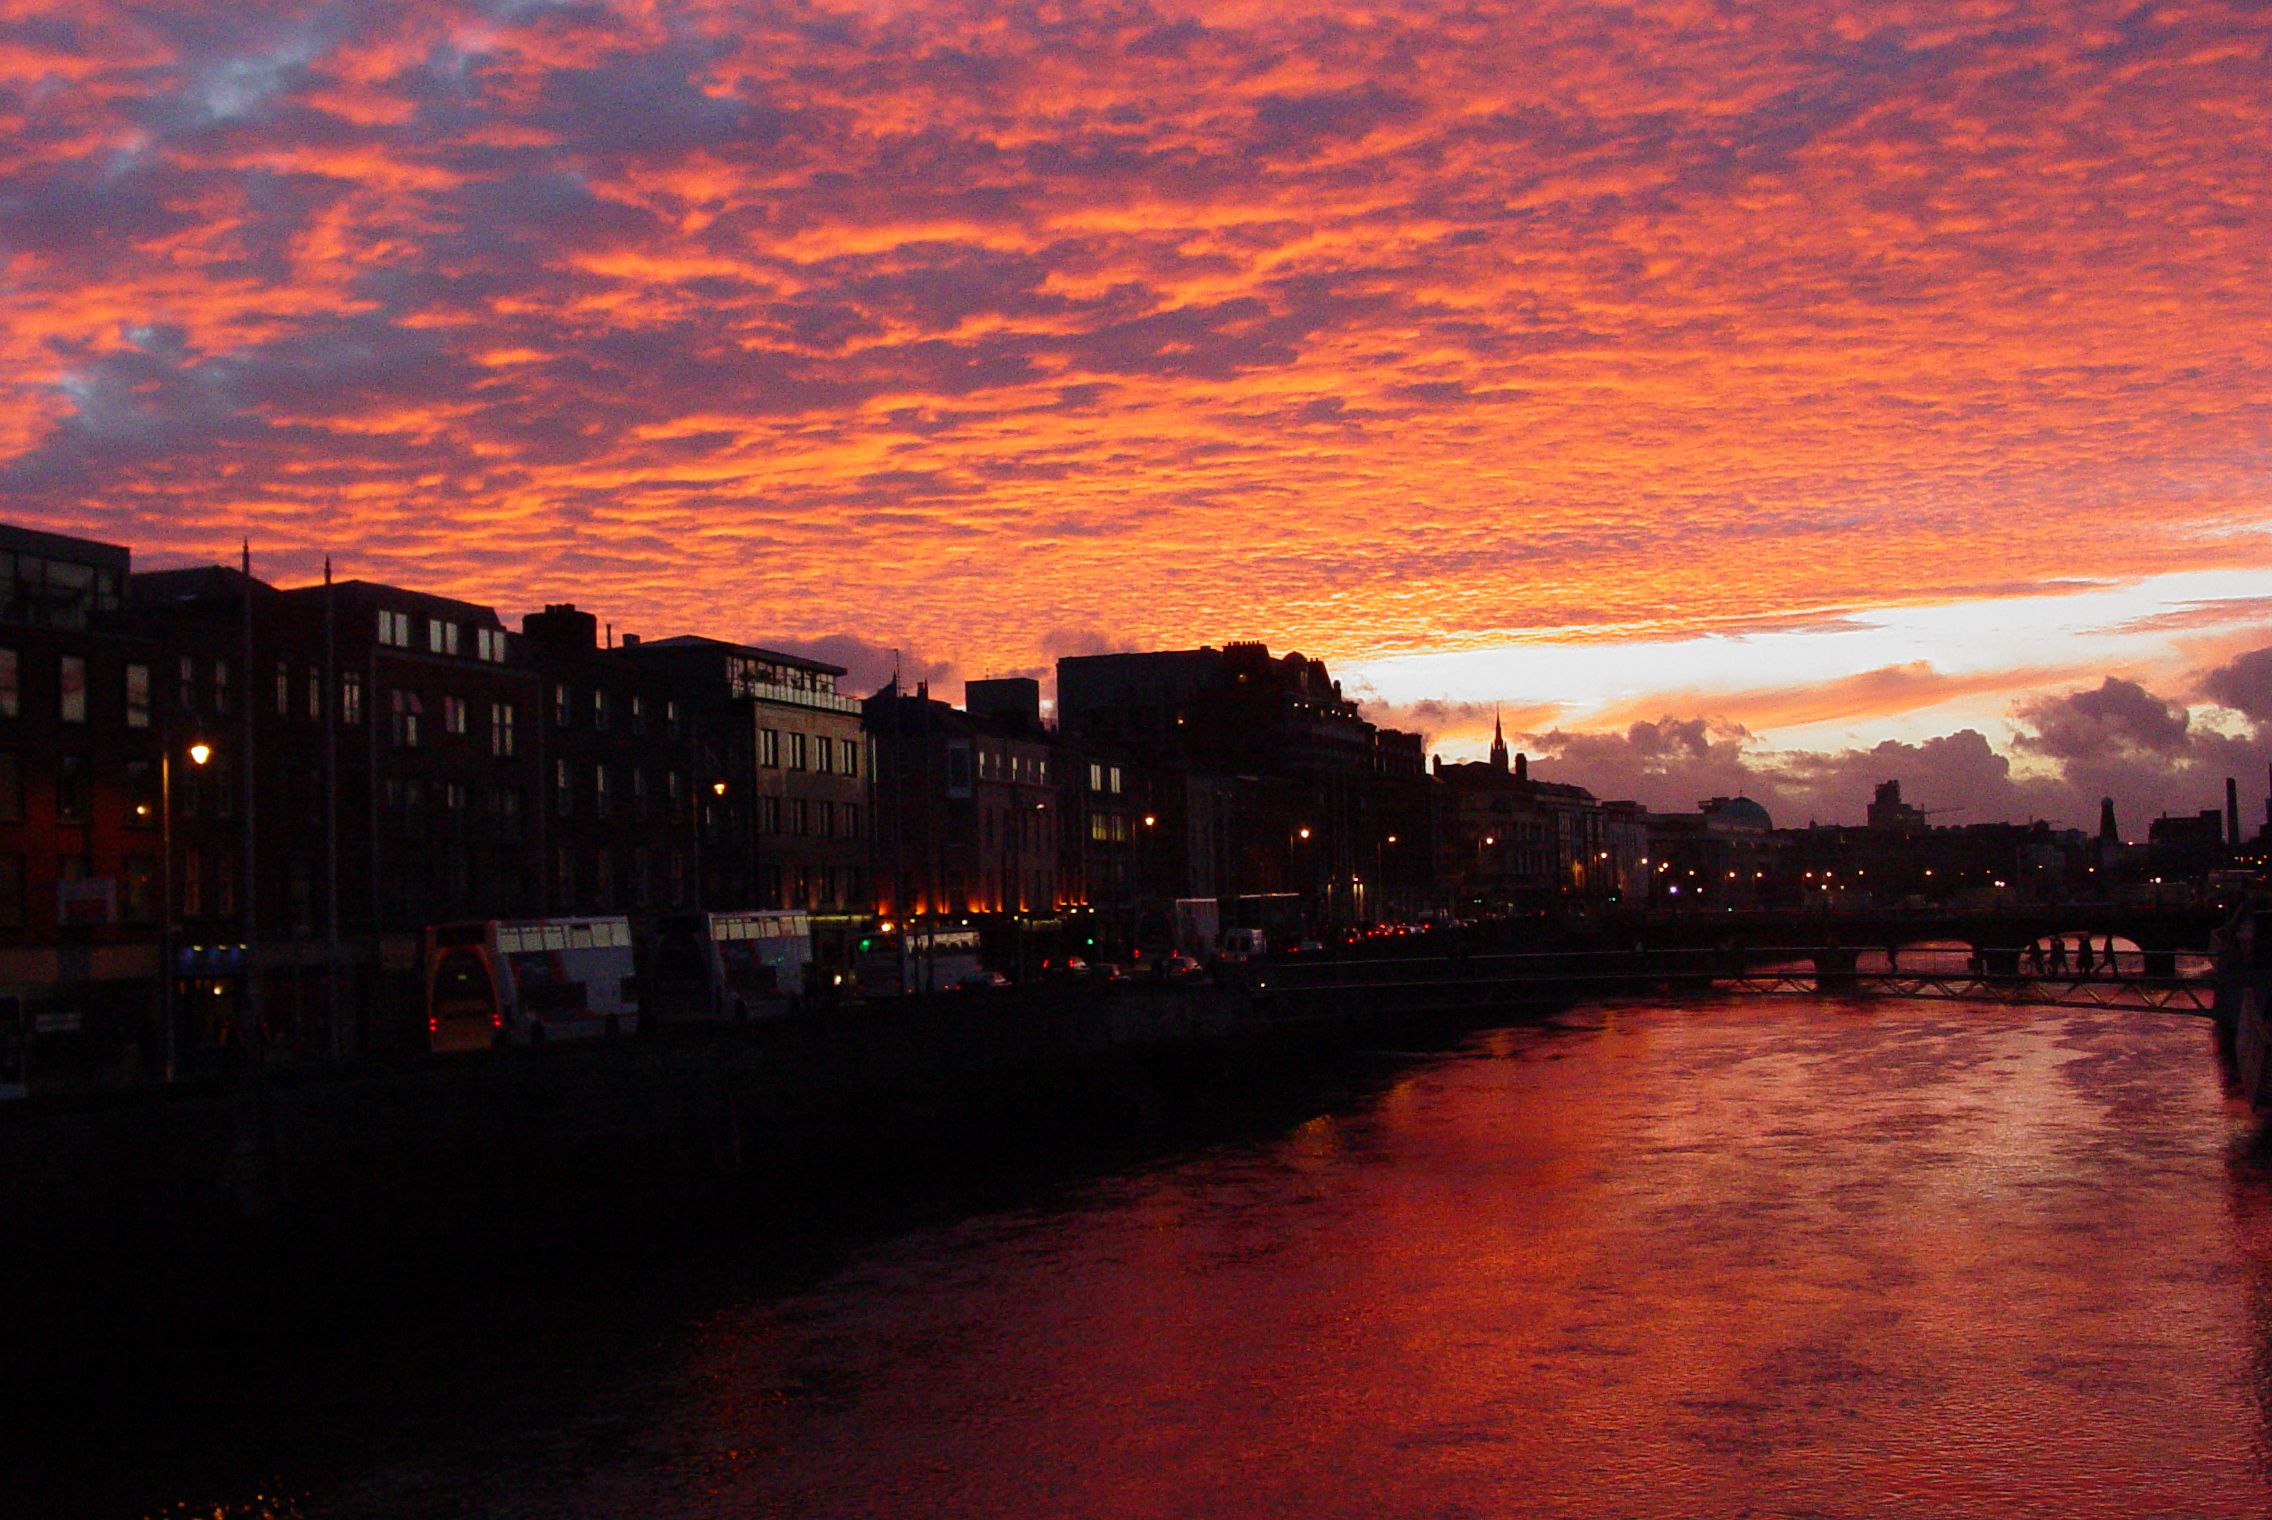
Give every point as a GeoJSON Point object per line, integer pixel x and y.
{"type": "Point", "coordinates": [1498, 743]}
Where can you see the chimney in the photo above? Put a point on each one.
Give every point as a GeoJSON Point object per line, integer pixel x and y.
{"type": "Point", "coordinates": [2107, 832]}
{"type": "Point", "coordinates": [631, 641]}
{"type": "Point", "coordinates": [2232, 812]}
{"type": "Point", "coordinates": [562, 629]}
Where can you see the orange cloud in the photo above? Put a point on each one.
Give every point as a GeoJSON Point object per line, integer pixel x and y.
{"type": "Point", "coordinates": [1887, 692]}
{"type": "Point", "coordinates": [1359, 332]}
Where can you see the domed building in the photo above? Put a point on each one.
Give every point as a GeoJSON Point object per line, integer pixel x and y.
{"type": "Point", "coordinates": [1735, 815]}
{"type": "Point", "coordinates": [1713, 858]}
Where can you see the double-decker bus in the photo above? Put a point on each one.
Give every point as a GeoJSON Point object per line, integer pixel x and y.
{"type": "Point", "coordinates": [725, 965]}
{"type": "Point", "coordinates": [526, 982]}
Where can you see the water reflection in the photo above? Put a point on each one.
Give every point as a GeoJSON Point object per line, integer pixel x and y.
{"type": "Point", "coordinates": [1772, 1257]}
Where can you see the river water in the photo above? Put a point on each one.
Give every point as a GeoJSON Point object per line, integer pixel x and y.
{"type": "Point", "coordinates": [1775, 1257]}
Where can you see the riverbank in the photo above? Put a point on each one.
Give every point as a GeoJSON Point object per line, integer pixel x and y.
{"type": "Point", "coordinates": [237, 1207]}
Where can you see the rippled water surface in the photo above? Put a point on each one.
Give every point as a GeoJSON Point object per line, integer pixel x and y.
{"type": "Point", "coordinates": [1764, 1257]}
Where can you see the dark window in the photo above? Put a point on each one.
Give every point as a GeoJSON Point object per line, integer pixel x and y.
{"type": "Point", "coordinates": [137, 696]}
{"type": "Point", "coordinates": [407, 709]}
{"type": "Point", "coordinates": [74, 688]}
{"type": "Point", "coordinates": [11, 891]}
{"type": "Point", "coordinates": [74, 788]}
{"type": "Point", "coordinates": [351, 698]}
{"type": "Point", "coordinates": [138, 895]}
{"type": "Point", "coordinates": [11, 684]}
{"type": "Point", "coordinates": [11, 787]}
{"type": "Point", "coordinates": [141, 794]}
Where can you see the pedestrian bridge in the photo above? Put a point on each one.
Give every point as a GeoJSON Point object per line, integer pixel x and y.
{"type": "Point", "coordinates": [2130, 991]}
{"type": "Point", "coordinates": [2134, 980]}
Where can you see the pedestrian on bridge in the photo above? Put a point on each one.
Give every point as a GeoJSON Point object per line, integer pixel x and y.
{"type": "Point", "coordinates": [2084, 965]}
{"type": "Point", "coordinates": [2058, 955]}
{"type": "Point", "coordinates": [2035, 956]}
{"type": "Point", "coordinates": [2111, 968]}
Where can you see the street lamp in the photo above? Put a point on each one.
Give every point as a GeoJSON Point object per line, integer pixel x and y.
{"type": "Point", "coordinates": [198, 752]}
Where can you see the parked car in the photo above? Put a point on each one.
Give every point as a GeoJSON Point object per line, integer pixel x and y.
{"type": "Point", "coordinates": [1070, 965]}
{"type": "Point", "coordinates": [1176, 967]}
{"type": "Point", "coordinates": [983, 981]}
{"type": "Point", "coordinates": [1106, 971]}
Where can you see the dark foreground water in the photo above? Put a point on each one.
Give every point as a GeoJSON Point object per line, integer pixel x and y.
{"type": "Point", "coordinates": [1734, 1258]}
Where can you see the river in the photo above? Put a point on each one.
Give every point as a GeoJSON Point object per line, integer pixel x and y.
{"type": "Point", "coordinates": [1774, 1257]}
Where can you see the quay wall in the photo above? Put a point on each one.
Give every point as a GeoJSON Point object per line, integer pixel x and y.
{"type": "Point", "coordinates": [168, 1205]}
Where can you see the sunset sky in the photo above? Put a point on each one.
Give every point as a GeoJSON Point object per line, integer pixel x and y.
{"type": "Point", "coordinates": [1773, 397]}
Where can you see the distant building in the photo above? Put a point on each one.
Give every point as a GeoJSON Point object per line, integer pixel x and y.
{"type": "Point", "coordinates": [1719, 856]}
{"type": "Point", "coordinates": [1330, 807]}
{"type": "Point", "coordinates": [81, 750]}
{"type": "Point", "coordinates": [1888, 814]}
{"type": "Point", "coordinates": [381, 741]}
{"type": "Point", "coordinates": [970, 809]}
{"type": "Point", "coordinates": [621, 764]}
{"type": "Point", "coordinates": [783, 774]}
{"type": "Point", "coordinates": [1510, 841]}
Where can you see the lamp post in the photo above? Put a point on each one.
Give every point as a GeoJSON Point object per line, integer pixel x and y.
{"type": "Point", "coordinates": [199, 752]}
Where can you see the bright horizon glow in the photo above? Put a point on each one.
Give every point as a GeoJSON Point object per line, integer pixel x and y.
{"type": "Point", "coordinates": [2082, 633]}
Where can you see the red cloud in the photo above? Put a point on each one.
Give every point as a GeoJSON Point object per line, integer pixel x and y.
{"type": "Point", "coordinates": [1358, 333]}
